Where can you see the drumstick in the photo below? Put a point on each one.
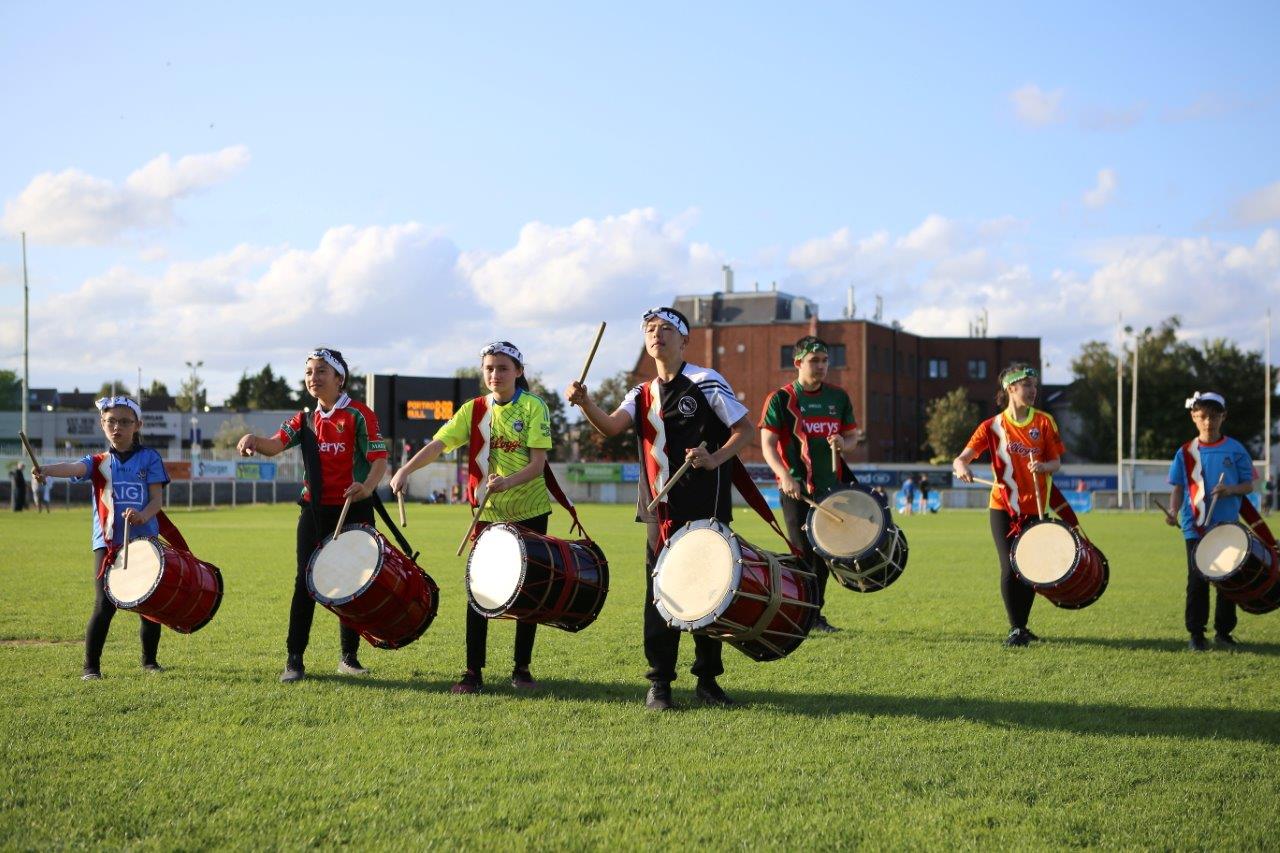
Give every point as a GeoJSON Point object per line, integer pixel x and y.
{"type": "Point", "coordinates": [820, 508]}
{"type": "Point", "coordinates": [991, 483]}
{"type": "Point", "coordinates": [678, 474]}
{"type": "Point", "coordinates": [475, 519]}
{"type": "Point", "coordinates": [342, 518]}
{"type": "Point", "coordinates": [125, 565]}
{"type": "Point", "coordinates": [1208, 516]}
{"type": "Point", "coordinates": [404, 521]}
{"type": "Point", "coordinates": [1035, 484]}
{"type": "Point", "coordinates": [591, 355]}
{"type": "Point", "coordinates": [1170, 515]}
{"type": "Point", "coordinates": [30, 453]}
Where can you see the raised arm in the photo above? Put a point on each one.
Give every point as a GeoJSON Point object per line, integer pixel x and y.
{"type": "Point", "coordinates": [58, 469]}
{"type": "Point", "coordinates": [606, 424]}
{"type": "Point", "coordinates": [424, 457]}
{"type": "Point", "coordinates": [265, 445]}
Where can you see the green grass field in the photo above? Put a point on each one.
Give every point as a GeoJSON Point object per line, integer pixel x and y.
{"type": "Point", "coordinates": [913, 727]}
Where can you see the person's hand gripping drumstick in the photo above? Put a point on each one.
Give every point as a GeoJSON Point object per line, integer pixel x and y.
{"type": "Point", "coordinates": [36, 473]}
{"type": "Point", "coordinates": [1169, 517]}
{"type": "Point", "coordinates": [404, 520]}
{"type": "Point", "coordinates": [475, 519]}
{"type": "Point", "coordinates": [675, 478]}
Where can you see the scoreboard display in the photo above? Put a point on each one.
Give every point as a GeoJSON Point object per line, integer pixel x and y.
{"type": "Point", "coordinates": [412, 408]}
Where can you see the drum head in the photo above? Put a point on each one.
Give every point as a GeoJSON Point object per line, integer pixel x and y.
{"type": "Point", "coordinates": [1045, 552]}
{"type": "Point", "coordinates": [343, 566]}
{"type": "Point", "coordinates": [495, 567]}
{"type": "Point", "coordinates": [1221, 551]}
{"type": "Point", "coordinates": [862, 523]}
{"type": "Point", "coordinates": [133, 585]}
{"type": "Point", "coordinates": [695, 572]}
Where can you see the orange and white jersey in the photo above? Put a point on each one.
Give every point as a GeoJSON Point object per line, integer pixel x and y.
{"type": "Point", "coordinates": [1011, 444]}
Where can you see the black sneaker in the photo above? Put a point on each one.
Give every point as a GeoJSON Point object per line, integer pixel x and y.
{"type": "Point", "coordinates": [1197, 643]}
{"type": "Point", "coordinates": [91, 673]}
{"type": "Point", "coordinates": [350, 665]}
{"type": "Point", "coordinates": [293, 669]}
{"type": "Point", "coordinates": [152, 667]}
{"type": "Point", "coordinates": [821, 625]}
{"type": "Point", "coordinates": [521, 679]}
{"type": "Point", "coordinates": [659, 697]}
{"type": "Point", "coordinates": [1018, 637]}
{"type": "Point", "coordinates": [1031, 635]}
{"type": "Point", "coordinates": [1225, 640]}
{"type": "Point", "coordinates": [711, 694]}
{"type": "Point", "coordinates": [470, 682]}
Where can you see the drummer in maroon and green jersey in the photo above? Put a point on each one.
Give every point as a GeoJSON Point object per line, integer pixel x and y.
{"type": "Point", "coordinates": [802, 425]}
{"type": "Point", "coordinates": [508, 434]}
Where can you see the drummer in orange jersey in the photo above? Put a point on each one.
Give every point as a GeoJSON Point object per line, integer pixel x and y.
{"type": "Point", "coordinates": [1023, 441]}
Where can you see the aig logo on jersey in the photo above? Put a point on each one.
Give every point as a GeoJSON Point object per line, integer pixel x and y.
{"type": "Point", "coordinates": [129, 493]}
{"type": "Point", "coordinates": [687, 406]}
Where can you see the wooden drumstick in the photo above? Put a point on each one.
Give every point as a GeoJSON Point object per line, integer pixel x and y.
{"type": "Point", "coordinates": [1208, 516]}
{"type": "Point", "coordinates": [404, 520]}
{"type": "Point", "coordinates": [475, 519]}
{"type": "Point", "coordinates": [991, 483]}
{"type": "Point", "coordinates": [1170, 515]}
{"type": "Point", "coordinates": [1035, 484]}
{"type": "Point", "coordinates": [124, 566]}
{"type": "Point", "coordinates": [591, 355]}
{"type": "Point", "coordinates": [820, 508]}
{"type": "Point", "coordinates": [674, 478]}
{"type": "Point", "coordinates": [31, 454]}
{"type": "Point", "coordinates": [342, 519]}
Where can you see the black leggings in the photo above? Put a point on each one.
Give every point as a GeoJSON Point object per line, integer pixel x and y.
{"type": "Point", "coordinates": [1018, 596]}
{"type": "Point", "coordinates": [795, 514]}
{"type": "Point", "coordinates": [478, 625]}
{"type": "Point", "coordinates": [303, 607]}
{"type": "Point", "coordinates": [95, 636]}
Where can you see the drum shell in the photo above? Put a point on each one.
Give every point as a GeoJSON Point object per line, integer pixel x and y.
{"type": "Point", "coordinates": [1254, 585]}
{"type": "Point", "coordinates": [874, 567]}
{"type": "Point", "coordinates": [1082, 583]}
{"type": "Point", "coordinates": [394, 607]}
{"type": "Point", "coordinates": [562, 583]}
{"type": "Point", "coordinates": [186, 594]}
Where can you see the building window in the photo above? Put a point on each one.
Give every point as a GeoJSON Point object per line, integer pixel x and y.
{"type": "Point", "coordinates": [977, 368]}
{"type": "Point", "coordinates": [836, 354]}
{"type": "Point", "coordinates": [785, 361]}
{"type": "Point", "coordinates": [938, 368]}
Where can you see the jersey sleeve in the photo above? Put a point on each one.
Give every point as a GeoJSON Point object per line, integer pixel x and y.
{"type": "Point", "coordinates": [87, 462]}
{"type": "Point", "coordinates": [368, 438]}
{"type": "Point", "coordinates": [771, 416]}
{"type": "Point", "coordinates": [722, 399]}
{"type": "Point", "coordinates": [1053, 439]}
{"type": "Point", "coordinates": [457, 431]}
{"type": "Point", "coordinates": [1177, 473]}
{"type": "Point", "coordinates": [290, 432]}
{"type": "Point", "coordinates": [538, 431]}
{"type": "Point", "coordinates": [979, 442]}
{"type": "Point", "coordinates": [848, 422]}
{"type": "Point", "coordinates": [1244, 466]}
{"type": "Point", "coordinates": [628, 403]}
{"type": "Point", "coordinates": [155, 469]}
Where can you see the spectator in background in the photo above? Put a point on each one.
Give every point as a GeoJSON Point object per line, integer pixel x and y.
{"type": "Point", "coordinates": [18, 491]}
{"type": "Point", "coordinates": [924, 492]}
{"type": "Point", "coordinates": [909, 493]}
{"type": "Point", "coordinates": [47, 495]}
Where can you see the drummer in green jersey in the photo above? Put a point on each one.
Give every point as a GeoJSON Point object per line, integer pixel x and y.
{"type": "Point", "coordinates": [802, 426]}
{"type": "Point", "coordinates": [508, 433]}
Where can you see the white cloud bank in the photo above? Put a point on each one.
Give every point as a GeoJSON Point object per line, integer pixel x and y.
{"type": "Point", "coordinates": [1103, 191]}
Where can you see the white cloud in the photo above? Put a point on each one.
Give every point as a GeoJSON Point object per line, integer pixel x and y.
{"type": "Point", "coordinates": [1258, 207]}
{"type": "Point", "coordinates": [74, 208]}
{"type": "Point", "coordinates": [1036, 107]}
{"type": "Point", "coordinates": [1103, 191]}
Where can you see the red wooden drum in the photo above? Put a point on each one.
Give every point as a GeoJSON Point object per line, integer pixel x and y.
{"type": "Point", "coordinates": [514, 573]}
{"type": "Point", "coordinates": [166, 585]}
{"type": "Point", "coordinates": [1240, 565]}
{"type": "Point", "coordinates": [1060, 564]}
{"type": "Point", "coordinates": [862, 546]}
{"type": "Point", "coordinates": [372, 587]}
{"type": "Point", "coordinates": [708, 580]}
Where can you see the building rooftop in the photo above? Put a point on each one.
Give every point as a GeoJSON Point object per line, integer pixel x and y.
{"type": "Point", "coordinates": [751, 307]}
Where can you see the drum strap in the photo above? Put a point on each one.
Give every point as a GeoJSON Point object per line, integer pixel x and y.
{"type": "Point", "coordinates": [775, 600]}
{"type": "Point", "coordinates": [168, 531]}
{"type": "Point", "coordinates": [1251, 517]}
{"type": "Point", "coordinates": [395, 531]}
{"type": "Point", "coordinates": [751, 494]}
{"type": "Point", "coordinates": [311, 468]}
{"type": "Point", "coordinates": [553, 486]}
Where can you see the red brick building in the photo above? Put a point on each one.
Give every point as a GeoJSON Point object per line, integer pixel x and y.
{"type": "Point", "coordinates": [890, 374]}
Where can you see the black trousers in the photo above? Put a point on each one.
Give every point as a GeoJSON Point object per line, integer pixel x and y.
{"type": "Point", "coordinates": [794, 514]}
{"type": "Point", "coordinates": [1018, 596]}
{"type": "Point", "coordinates": [95, 636]}
{"type": "Point", "coordinates": [478, 625]}
{"type": "Point", "coordinates": [662, 642]}
{"type": "Point", "coordinates": [303, 607]}
{"type": "Point", "coordinates": [1197, 613]}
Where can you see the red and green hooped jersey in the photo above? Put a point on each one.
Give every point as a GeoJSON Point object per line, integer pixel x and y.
{"type": "Point", "coordinates": [1011, 444]}
{"type": "Point", "coordinates": [801, 421]}
{"type": "Point", "coordinates": [349, 443]}
{"type": "Point", "coordinates": [500, 437]}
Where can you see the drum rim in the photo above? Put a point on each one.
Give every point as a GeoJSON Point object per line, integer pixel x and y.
{"type": "Point", "coordinates": [154, 542]}
{"type": "Point", "coordinates": [735, 555]}
{"type": "Point", "coordinates": [1249, 537]}
{"type": "Point", "coordinates": [364, 587]}
{"type": "Point", "coordinates": [524, 570]}
{"type": "Point", "coordinates": [1075, 562]}
{"type": "Point", "coordinates": [885, 523]}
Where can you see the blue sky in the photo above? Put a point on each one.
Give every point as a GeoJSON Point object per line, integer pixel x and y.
{"type": "Point", "coordinates": [409, 184]}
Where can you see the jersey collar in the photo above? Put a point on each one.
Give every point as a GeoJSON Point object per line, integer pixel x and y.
{"type": "Point", "coordinates": [1031, 413]}
{"type": "Point", "coordinates": [493, 398]}
{"type": "Point", "coordinates": [342, 402]}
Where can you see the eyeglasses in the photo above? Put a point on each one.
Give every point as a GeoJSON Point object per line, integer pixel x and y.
{"type": "Point", "coordinates": [119, 422]}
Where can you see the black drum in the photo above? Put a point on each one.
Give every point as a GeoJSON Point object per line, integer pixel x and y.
{"type": "Point", "coordinates": [865, 550]}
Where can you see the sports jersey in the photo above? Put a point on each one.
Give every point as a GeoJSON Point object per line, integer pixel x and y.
{"type": "Point", "coordinates": [500, 436]}
{"type": "Point", "coordinates": [121, 481]}
{"type": "Point", "coordinates": [821, 413]}
{"type": "Point", "coordinates": [1011, 444]}
{"type": "Point", "coordinates": [1196, 467]}
{"type": "Point", "coordinates": [696, 405]}
{"type": "Point", "coordinates": [348, 441]}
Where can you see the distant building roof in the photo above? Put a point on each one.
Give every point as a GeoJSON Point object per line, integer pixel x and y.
{"type": "Point", "coordinates": [751, 307]}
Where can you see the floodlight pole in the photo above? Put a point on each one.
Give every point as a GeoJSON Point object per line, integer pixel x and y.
{"type": "Point", "coordinates": [26, 338]}
{"type": "Point", "coordinates": [1133, 424]}
{"type": "Point", "coordinates": [1266, 418]}
{"type": "Point", "coordinates": [1120, 412]}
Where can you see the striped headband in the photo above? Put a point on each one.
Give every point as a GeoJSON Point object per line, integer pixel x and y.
{"type": "Point", "coordinates": [111, 402]}
{"type": "Point", "coordinates": [1018, 375]}
{"type": "Point", "coordinates": [666, 315]}
{"type": "Point", "coordinates": [1206, 397]}
{"type": "Point", "coordinates": [503, 348]}
{"type": "Point", "coordinates": [328, 357]}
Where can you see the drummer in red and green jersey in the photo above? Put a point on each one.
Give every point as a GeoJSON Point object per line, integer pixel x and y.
{"type": "Point", "coordinates": [508, 433]}
{"type": "Point", "coordinates": [803, 424]}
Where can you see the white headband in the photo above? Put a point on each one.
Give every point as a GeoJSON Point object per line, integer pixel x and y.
{"type": "Point", "coordinates": [1206, 397]}
{"type": "Point", "coordinates": [503, 348]}
{"type": "Point", "coordinates": [111, 402]}
{"type": "Point", "coordinates": [328, 357]}
{"type": "Point", "coordinates": [667, 315]}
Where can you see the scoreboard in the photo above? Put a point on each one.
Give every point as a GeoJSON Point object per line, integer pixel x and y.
{"type": "Point", "coordinates": [412, 408]}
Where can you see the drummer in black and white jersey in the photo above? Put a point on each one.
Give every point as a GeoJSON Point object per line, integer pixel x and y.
{"type": "Point", "coordinates": [683, 407]}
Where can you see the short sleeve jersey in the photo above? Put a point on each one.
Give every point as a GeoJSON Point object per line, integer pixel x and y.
{"type": "Point", "coordinates": [516, 427]}
{"type": "Point", "coordinates": [1225, 458]}
{"type": "Point", "coordinates": [825, 412]}
{"type": "Point", "coordinates": [121, 481]}
{"type": "Point", "coordinates": [349, 443]}
{"type": "Point", "coordinates": [1013, 443]}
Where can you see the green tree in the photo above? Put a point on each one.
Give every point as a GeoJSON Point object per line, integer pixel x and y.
{"type": "Point", "coordinates": [559, 421]}
{"type": "Point", "coordinates": [157, 389]}
{"type": "Point", "coordinates": [114, 387]}
{"type": "Point", "coordinates": [10, 391]}
{"type": "Point", "coordinates": [191, 388]}
{"type": "Point", "coordinates": [262, 390]}
{"type": "Point", "coordinates": [950, 420]}
{"type": "Point", "coordinates": [592, 445]}
{"type": "Point", "coordinates": [230, 432]}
